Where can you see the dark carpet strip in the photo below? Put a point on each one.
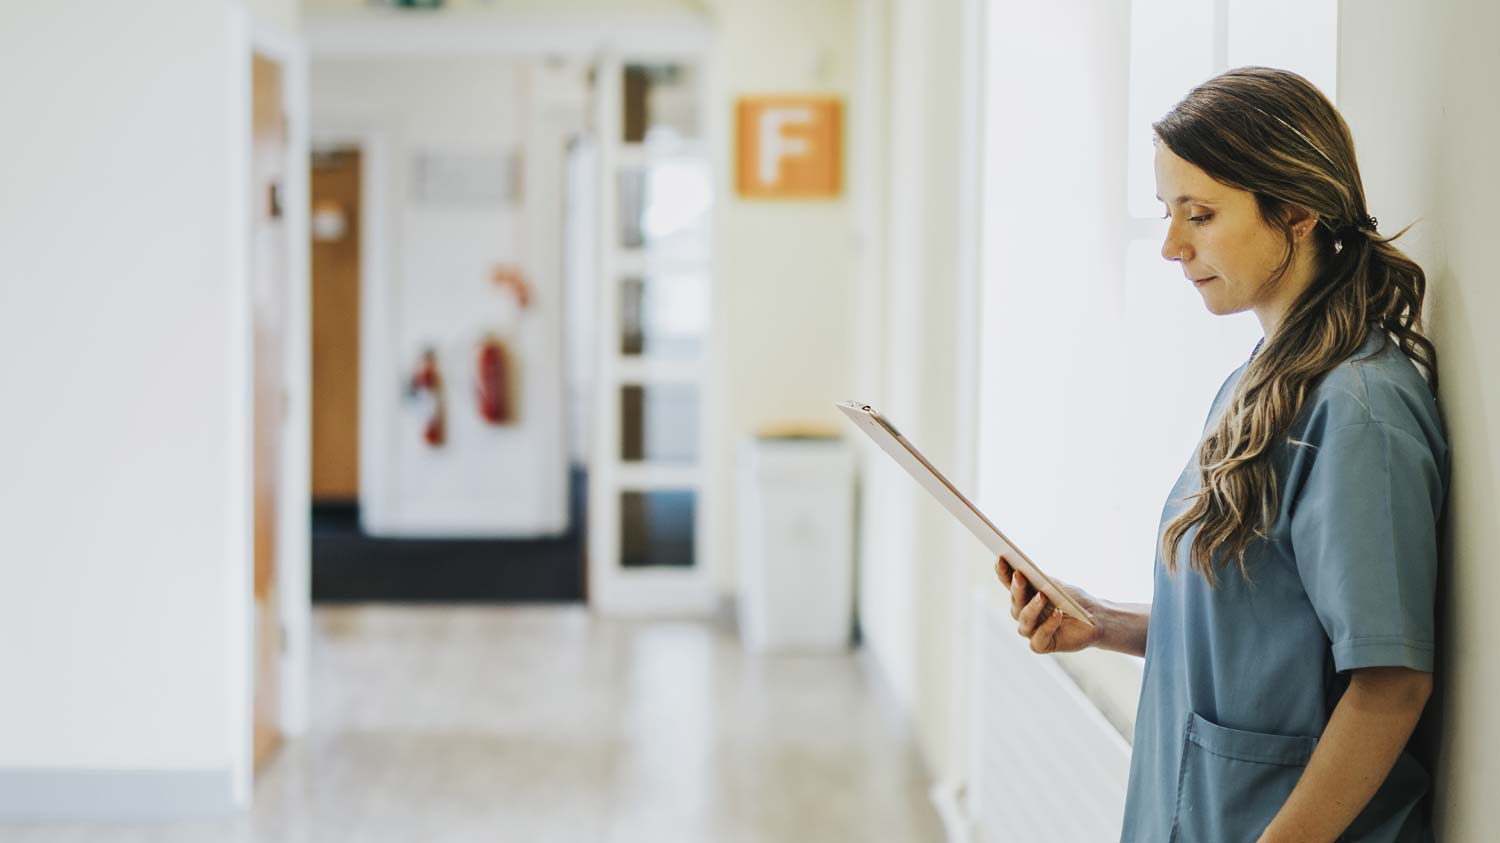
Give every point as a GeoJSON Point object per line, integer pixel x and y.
{"type": "Point", "coordinates": [349, 566]}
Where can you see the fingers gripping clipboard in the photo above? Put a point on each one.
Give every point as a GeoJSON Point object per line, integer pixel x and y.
{"type": "Point", "coordinates": [878, 428]}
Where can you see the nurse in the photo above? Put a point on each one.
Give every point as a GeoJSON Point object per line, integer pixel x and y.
{"type": "Point", "coordinates": [1289, 641]}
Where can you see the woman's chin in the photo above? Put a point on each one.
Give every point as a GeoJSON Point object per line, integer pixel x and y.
{"type": "Point", "coordinates": [1216, 306]}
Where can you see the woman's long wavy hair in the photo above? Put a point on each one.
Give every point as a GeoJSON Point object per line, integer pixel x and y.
{"type": "Point", "coordinates": [1271, 132]}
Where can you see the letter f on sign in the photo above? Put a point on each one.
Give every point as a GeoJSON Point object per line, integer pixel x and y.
{"type": "Point", "coordinates": [787, 147]}
{"type": "Point", "coordinates": [774, 144]}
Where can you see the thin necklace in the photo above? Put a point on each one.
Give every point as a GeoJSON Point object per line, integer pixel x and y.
{"type": "Point", "coordinates": [1256, 350]}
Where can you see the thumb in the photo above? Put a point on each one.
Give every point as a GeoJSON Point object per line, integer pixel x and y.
{"type": "Point", "coordinates": [1044, 640]}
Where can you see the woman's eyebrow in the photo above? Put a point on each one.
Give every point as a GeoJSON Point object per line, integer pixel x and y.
{"type": "Point", "coordinates": [1186, 198]}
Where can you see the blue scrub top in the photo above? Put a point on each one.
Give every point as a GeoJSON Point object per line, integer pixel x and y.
{"type": "Point", "coordinates": [1240, 680]}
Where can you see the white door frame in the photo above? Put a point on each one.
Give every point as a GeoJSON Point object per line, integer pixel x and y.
{"type": "Point", "coordinates": [614, 589]}
{"type": "Point", "coordinates": [254, 35]}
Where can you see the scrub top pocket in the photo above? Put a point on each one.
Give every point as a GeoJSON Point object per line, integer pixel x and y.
{"type": "Point", "coordinates": [1232, 780]}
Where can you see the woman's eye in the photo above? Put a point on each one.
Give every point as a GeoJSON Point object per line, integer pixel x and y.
{"type": "Point", "coordinates": [1199, 220]}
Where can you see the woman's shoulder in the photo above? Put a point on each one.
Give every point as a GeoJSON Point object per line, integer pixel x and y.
{"type": "Point", "coordinates": [1377, 384]}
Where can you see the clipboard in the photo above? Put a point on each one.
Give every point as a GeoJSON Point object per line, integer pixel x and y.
{"type": "Point", "coordinates": [890, 440]}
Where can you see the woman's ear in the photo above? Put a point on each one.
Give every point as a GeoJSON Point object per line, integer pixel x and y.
{"type": "Point", "coordinates": [1301, 220]}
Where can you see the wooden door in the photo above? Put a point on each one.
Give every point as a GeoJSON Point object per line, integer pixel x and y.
{"type": "Point", "coordinates": [269, 272]}
{"type": "Point", "coordinates": [335, 325]}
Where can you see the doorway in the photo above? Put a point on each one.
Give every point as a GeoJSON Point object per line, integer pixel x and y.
{"type": "Point", "coordinates": [418, 238]}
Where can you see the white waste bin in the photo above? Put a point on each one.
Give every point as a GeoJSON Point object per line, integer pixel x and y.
{"type": "Point", "coordinates": [796, 544]}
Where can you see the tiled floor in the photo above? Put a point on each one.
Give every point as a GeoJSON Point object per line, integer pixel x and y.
{"type": "Point", "coordinates": [548, 724]}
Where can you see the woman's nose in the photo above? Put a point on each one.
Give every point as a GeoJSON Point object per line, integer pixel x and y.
{"type": "Point", "coordinates": [1172, 248]}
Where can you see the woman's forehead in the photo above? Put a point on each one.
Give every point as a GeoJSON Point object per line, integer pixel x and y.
{"type": "Point", "coordinates": [1179, 182]}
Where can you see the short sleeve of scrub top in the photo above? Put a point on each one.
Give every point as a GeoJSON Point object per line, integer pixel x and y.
{"type": "Point", "coordinates": [1241, 679]}
{"type": "Point", "coordinates": [1369, 504]}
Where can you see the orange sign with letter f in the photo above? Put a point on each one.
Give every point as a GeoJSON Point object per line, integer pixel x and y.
{"type": "Point", "coordinates": [789, 147]}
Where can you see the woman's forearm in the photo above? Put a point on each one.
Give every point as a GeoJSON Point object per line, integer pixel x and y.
{"type": "Point", "coordinates": [1124, 627]}
{"type": "Point", "coordinates": [1365, 735]}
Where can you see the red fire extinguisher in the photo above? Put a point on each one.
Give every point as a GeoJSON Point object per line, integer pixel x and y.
{"type": "Point", "coordinates": [493, 382]}
{"type": "Point", "coordinates": [428, 378]}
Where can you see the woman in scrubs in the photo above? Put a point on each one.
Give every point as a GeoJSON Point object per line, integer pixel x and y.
{"type": "Point", "coordinates": [1289, 642]}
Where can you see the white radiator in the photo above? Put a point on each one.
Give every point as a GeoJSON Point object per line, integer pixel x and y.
{"type": "Point", "coordinates": [1044, 764]}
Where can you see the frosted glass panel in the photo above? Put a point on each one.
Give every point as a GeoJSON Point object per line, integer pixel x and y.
{"type": "Point", "coordinates": [659, 423]}
{"type": "Point", "coordinates": [1171, 51]}
{"type": "Point", "coordinates": [660, 103]}
{"type": "Point", "coordinates": [656, 529]}
{"type": "Point", "coordinates": [1176, 359]}
{"type": "Point", "coordinates": [1296, 35]}
{"type": "Point", "coordinates": [663, 315]}
{"type": "Point", "coordinates": [664, 207]}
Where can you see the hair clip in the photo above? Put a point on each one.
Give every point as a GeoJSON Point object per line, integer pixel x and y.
{"type": "Point", "coordinates": [1366, 223]}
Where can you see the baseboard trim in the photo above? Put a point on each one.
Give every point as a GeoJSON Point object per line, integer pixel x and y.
{"type": "Point", "coordinates": [45, 794]}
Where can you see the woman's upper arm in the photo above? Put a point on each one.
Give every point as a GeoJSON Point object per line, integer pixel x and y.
{"type": "Point", "coordinates": [1401, 686]}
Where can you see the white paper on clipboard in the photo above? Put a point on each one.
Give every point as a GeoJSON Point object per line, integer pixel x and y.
{"type": "Point", "coordinates": [878, 428]}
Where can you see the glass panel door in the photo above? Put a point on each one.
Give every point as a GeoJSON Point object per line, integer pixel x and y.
{"type": "Point", "coordinates": [655, 283]}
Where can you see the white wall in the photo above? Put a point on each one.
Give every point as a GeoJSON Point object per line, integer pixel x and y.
{"type": "Point", "coordinates": [913, 344]}
{"type": "Point", "coordinates": [936, 375]}
{"type": "Point", "coordinates": [434, 281]}
{"type": "Point", "coordinates": [887, 573]}
{"type": "Point", "coordinates": [860, 300]}
{"type": "Point", "coordinates": [1465, 300]}
{"type": "Point", "coordinates": [285, 15]}
{"type": "Point", "coordinates": [1417, 88]}
{"type": "Point", "coordinates": [124, 336]}
{"type": "Point", "coordinates": [783, 268]}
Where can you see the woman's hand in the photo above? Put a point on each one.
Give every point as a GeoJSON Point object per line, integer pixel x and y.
{"type": "Point", "coordinates": [1049, 629]}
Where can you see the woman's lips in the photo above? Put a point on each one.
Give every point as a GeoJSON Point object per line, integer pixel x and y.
{"type": "Point", "coordinates": [1201, 281]}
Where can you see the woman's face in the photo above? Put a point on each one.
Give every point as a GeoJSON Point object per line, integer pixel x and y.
{"type": "Point", "coordinates": [1226, 251]}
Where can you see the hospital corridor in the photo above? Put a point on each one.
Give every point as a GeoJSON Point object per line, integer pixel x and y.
{"type": "Point", "coordinates": [597, 421]}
